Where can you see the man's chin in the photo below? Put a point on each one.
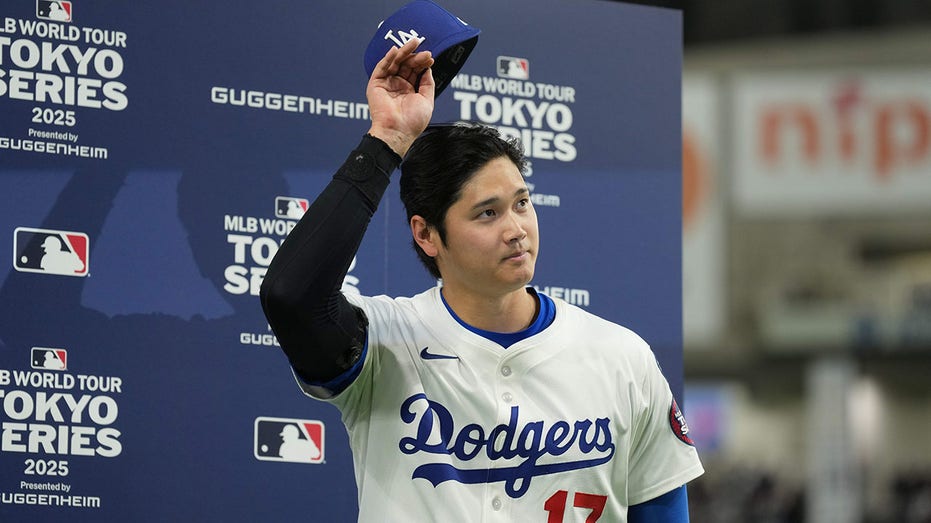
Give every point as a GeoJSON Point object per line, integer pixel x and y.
{"type": "Point", "coordinates": [522, 279]}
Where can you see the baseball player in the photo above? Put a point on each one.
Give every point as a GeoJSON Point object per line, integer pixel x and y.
{"type": "Point", "coordinates": [482, 399]}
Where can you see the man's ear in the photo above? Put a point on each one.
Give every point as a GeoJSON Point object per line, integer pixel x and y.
{"type": "Point", "coordinates": [425, 235]}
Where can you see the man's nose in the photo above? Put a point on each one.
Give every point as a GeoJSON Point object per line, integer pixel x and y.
{"type": "Point", "coordinates": [515, 230]}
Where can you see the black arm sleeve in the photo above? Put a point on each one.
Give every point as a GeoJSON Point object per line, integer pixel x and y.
{"type": "Point", "coordinates": [319, 330]}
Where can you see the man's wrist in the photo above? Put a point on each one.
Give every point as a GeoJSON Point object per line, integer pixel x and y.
{"type": "Point", "coordinates": [398, 142]}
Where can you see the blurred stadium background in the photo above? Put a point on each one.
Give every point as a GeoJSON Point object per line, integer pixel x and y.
{"type": "Point", "coordinates": [807, 258]}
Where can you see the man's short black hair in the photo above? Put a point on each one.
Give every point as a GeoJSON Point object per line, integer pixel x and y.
{"type": "Point", "coordinates": [438, 165]}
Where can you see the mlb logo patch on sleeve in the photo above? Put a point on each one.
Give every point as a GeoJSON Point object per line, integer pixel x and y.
{"type": "Point", "coordinates": [49, 251]}
{"type": "Point", "coordinates": [289, 440]}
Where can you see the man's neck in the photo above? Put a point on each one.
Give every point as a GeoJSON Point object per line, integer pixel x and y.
{"type": "Point", "coordinates": [511, 312]}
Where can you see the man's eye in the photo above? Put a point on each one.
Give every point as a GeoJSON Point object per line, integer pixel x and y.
{"type": "Point", "coordinates": [488, 213]}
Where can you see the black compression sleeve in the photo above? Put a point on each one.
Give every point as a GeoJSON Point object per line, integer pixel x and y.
{"type": "Point", "coordinates": [321, 333]}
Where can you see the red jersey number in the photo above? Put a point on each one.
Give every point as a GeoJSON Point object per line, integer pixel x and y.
{"type": "Point", "coordinates": [556, 505]}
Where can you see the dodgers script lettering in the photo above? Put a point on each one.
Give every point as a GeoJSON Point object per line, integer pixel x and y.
{"type": "Point", "coordinates": [529, 440]}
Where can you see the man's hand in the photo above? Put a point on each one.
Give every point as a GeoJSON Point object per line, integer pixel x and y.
{"type": "Point", "coordinates": [399, 106]}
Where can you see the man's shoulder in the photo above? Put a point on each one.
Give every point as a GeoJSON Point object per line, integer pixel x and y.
{"type": "Point", "coordinates": [581, 322]}
{"type": "Point", "coordinates": [579, 314]}
{"type": "Point", "coordinates": [398, 304]}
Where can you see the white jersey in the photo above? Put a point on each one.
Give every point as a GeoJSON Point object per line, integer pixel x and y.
{"type": "Point", "coordinates": [570, 423]}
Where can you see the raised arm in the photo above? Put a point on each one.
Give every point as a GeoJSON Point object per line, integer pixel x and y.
{"type": "Point", "coordinates": [320, 332]}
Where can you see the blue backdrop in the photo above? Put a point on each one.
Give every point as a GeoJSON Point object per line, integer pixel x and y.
{"type": "Point", "coordinates": [149, 153]}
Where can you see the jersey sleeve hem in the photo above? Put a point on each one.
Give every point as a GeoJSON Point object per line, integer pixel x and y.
{"type": "Point", "coordinates": [332, 388]}
{"type": "Point", "coordinates": [668, 485]}
{"type": "Point", "coordinates": [314, 391]}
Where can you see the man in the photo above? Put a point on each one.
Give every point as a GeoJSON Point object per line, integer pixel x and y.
{"type": "Point", "coordinates": [482, 400]}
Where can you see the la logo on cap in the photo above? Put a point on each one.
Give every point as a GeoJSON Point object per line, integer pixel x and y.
{"type": "Point", "coordinates": [446, 36]}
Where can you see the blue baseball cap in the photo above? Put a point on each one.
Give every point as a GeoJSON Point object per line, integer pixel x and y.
{"type": "Point", "coordinates": [448, 38]}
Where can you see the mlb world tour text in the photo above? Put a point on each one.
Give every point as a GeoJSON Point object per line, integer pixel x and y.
{"type": "Point", "coordinates": [537, 113]}
{"type": "Point", "coordinates": [74, 418]}
{"type": "Point", "coordinates": [74, 71]}
{"type": "Point", "coordinates": [252, 254]}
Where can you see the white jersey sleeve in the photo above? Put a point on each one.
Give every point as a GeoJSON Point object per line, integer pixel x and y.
{"type": "Point", "coordinates": [662, 456]}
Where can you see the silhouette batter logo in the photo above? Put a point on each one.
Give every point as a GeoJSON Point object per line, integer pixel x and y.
{"type": "Point", "coordinates": [289, 440]}
{"type": "Point", "coordinates": [50, 252]}
{"type": "Point", "coordinates": [45, 358]}
{"type": "Point", "coordinates": [513, 67]}
{"type": "Point", "coordinates": [56, 10]}
{"type": "Point", "coordinates": [290, 208]}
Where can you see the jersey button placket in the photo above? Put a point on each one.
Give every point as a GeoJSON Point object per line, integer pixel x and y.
{"type": "Point", "coordinates": [506, 396]}
{"type": "Point", "coordinates": [504, 411]}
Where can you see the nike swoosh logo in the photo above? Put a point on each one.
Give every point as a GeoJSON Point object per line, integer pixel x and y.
{"type": "Point", "coordinates": [431, 356]}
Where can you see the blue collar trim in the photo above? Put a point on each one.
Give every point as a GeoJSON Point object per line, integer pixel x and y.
{"type": "Point", "coordinates": [545, 317]}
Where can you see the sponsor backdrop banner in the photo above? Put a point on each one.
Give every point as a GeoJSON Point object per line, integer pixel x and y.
{"type": "Point", "coordinates": [154, 155]}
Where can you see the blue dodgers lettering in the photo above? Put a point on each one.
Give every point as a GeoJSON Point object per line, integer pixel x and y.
{"type": "Point", "coordinates": [531, 441]}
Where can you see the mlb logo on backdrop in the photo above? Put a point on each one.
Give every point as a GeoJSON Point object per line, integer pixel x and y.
{"type": "Point", "coordinates": [290, 208]}
{"type": "Point", "coordinates": [55, 10]}
{"type": "Point", "coordinates": [511, 67]}
{"type": "Point", "coordinates": [49, 359]}
{"type": "Point", "coordinates": [49, 251]}
{"type": "Point", "coordinates": [289, 440]}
